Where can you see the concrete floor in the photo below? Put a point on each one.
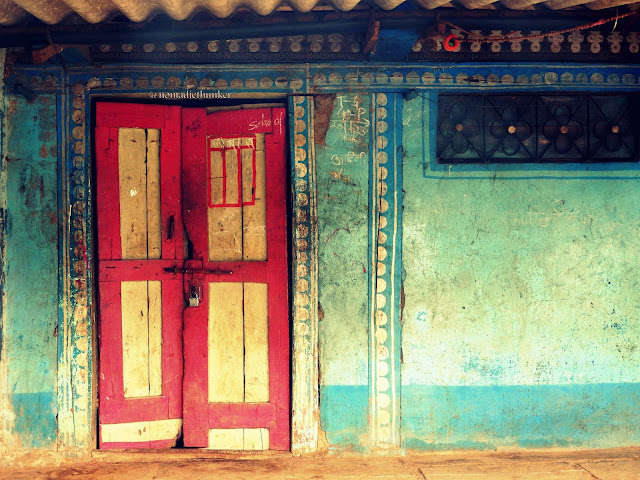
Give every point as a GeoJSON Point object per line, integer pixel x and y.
{"type": "Point", "coordinates": [615, 464]}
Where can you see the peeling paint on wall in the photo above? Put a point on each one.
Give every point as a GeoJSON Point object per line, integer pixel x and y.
{"type": "Point", "coordinates": [31, 293]}
{"type": "Point", "coordinates": [306, 434]}
{"type": "Point", "coordinates": [343, 181]}
{"type": "Point", "coordinates": [323, 109]}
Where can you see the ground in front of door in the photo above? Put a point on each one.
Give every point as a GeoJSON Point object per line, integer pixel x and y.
{"type": "Point", "coordinates": [614, 464]}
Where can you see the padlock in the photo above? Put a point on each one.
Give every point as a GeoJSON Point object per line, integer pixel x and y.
{"type": "Point", "coordinates": [194, 296]}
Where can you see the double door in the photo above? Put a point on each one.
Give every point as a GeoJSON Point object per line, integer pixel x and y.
{"type": "Point", "coordinates": [192, 277]}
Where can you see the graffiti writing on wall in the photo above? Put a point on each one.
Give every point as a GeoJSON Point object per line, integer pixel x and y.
{"type": "Point", "coordinates": [544, 217]}
{"type": "Point", "coordinates": [350, 118]}
{"type": "Point", "coordinates": [350, 158]}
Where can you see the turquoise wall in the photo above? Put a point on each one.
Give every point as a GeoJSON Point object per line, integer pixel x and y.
{"type": "Point", "coordinates": [29, 348]}
{"type": "Point", "coordinates": [521, 324]}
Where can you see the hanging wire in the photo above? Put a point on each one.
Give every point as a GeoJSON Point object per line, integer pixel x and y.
{"type": "Point", "coordinates": [513, 37]}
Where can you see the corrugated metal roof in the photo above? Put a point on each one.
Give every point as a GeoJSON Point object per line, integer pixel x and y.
{"type": "Point", "coordinates": [13, 12]}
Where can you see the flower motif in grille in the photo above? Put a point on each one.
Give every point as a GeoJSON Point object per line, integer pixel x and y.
{"type": "Point", "coordinates": [510, 126]}
{"type": "Point", "coordinates": [563, 136]}
{"type": "Point", "coordinates": [612, 131]}
{"type": "Point", "coordinates": [459, 129]}
{"type": "Point", "coordinates": [609, 135]}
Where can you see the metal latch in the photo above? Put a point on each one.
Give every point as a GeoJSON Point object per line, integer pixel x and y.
{"type": "Point", "coordinates": [214, 271]}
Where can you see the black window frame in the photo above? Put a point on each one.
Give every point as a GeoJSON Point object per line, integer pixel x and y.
{"type": "Point", "coordinates": [566, 127]}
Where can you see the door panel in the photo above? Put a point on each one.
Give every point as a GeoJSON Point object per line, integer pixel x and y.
{"type": "Point", "coordinates": [139, 181]}
{"type": "Point", "coordinates": [237, 337]}
{"type": "Point", "coordinates": [141, 308]}
{"type": "Point", "coordinates": [237, 179]}
{"type": "Point", "coordinates": [239, 438]}
{"type": "Point", "coordinates": [238, 346]}
{"type": "Point", "coordinates": [140, 329]}
{"type": "Point", "coordinates": [256, 344]}
{"type": "Point", "coordinates": [225, 345]}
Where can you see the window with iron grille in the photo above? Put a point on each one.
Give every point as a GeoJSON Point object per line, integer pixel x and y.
{"type": "Point", "coordinates": [541, 128]}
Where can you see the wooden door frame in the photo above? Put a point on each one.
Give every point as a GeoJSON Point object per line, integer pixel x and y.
{"type": "Point", "coordinates": [80, 426]}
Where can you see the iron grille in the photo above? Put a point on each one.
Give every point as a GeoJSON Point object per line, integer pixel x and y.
{"type": "Point", "coordinates": [537, 128]}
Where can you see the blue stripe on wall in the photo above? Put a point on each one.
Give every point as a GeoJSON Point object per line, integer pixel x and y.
{"type": "Point", "coordinates": [344, 415]}
{"type": "Point", "coordinates": [482, 417]}
{"type": "Point", "coordinates": [34, 421]}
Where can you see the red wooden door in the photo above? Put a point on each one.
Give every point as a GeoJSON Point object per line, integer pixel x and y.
{"type": "Point", "coordinates": [140, 305]}
{"type": "Point", "coordinates": [222, 289]}
{"type": "Point", "coordinates": [236, 385]}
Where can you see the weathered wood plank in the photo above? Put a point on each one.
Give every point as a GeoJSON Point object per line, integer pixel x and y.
{"type": "Point", "coordinates": [254, 217]}
{"type": "Point", "coordinates": [279, 437]}
{"type": "Point", "coordinates": [256, 439]}
{"type": "Point", "coordinates": [226, 439]}
{"type": "Point", "coordinates": [233, 185]}
{"type": "Point", "coordinates": [154, 222]}
{"type": "Point", "coordinates": [130, 115]}
{"type": "Point", "coordinates": [173, 245]}
{"type": "Point", "coordinates": [217, 177]}
{"type": "Point", "coordinates": [225, 223]}
{"type": "Point", "coordinates": [225, 340]}
{"type": "Point", "coordinates": [154, 251]}
{"type": "Point", "coordinates": [256, 336]}
{"type": "Point", "coordinates": [241, 415]}
{"type": "Point", "coordinates": [194, 189]}
{"type": "Point", "coordinates": [257, 120]}
{"type": "Point", "coordinates": [154, 289]}
{"type": "Point", "coordinates": [132, 152]}
{"type": "Point", "coordinates": [239, 439]}
{"type": "Point", "coordinates": [147, 431]}
{"type": "Point", "coordinates": [108, 193]}
{"type": "Point", "coordinates": [135, 339]}
{"type": "Point", "coordinates": [194, 209]}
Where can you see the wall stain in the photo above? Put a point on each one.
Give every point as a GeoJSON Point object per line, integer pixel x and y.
{"type": "Point", "coordinates": [338, 175]}
{"type": "Point", "coordinates": [323, 108]}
